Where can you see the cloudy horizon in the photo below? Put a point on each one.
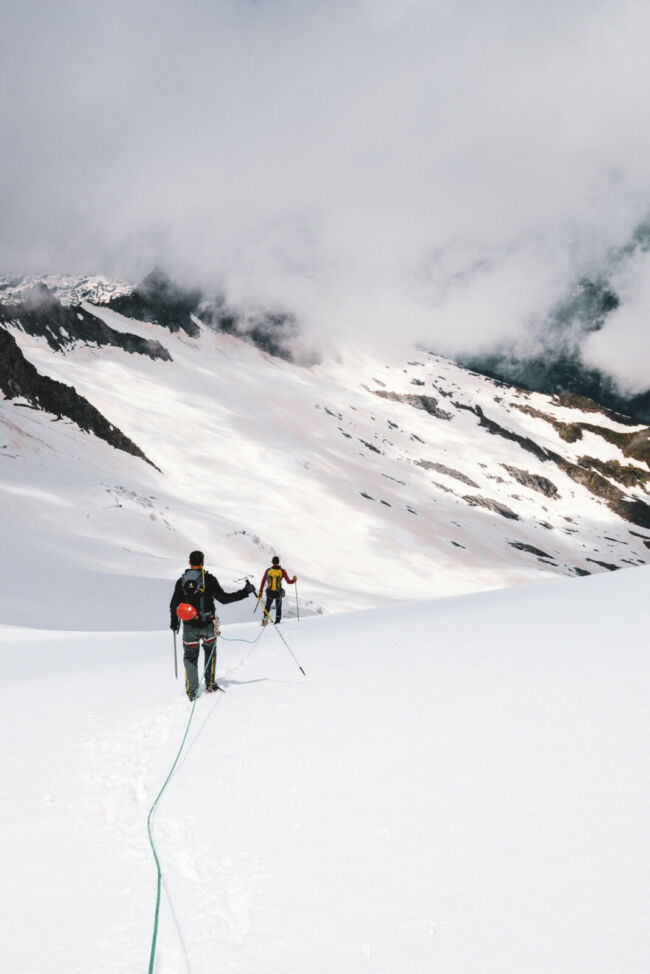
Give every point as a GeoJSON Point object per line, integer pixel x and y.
{"type": "Point", "coordinates": [378, 165]}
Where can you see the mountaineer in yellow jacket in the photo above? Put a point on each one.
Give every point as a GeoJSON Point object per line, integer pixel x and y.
{"type": "Point", "coordinates": [274, 592]}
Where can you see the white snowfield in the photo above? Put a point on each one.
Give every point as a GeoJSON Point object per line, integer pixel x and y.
{"type": "Point", "coordinates": [367, 496]}
{"type": "Point", "coordinates": [457, 786]}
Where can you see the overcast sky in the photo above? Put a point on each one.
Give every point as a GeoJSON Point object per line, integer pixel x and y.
{"type": "Point", "coordinates": [441, 168]}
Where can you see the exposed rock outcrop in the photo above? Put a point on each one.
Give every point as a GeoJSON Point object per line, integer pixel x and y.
{"type": "Point", "coordinates": [428, 403]}
{"type": "Point", "coordinates": [572, 400]}
{"type": "Point", "coordinates": [491, 505]}
{"type": "Point", "coordinates": [529, 548]}
{"type": "Point", "coordinates": [158, 300]}
{"type": "Point", "coordinates": [635, 511]}
{"type": "Point", "coordinates": [638, 447]}
{"type": "Point", "coordinates": [19, 378]}
{"type": "Point", "coordinates": [635, 445]}
{"type": "Point", "coordinates": [626, 474]}
{"type": "Point", "coordinates": [524, 441]}
{"type": "Point", "coordinates": [272, 332]}
{"type": "Point", "coordinates": [541, 484]}
{"type": "Point", "coordinates": [448, 471]}
{"type": "Point", "coordinates": [42, 315]}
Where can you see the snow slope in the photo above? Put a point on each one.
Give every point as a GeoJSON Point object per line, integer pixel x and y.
{"type": "Point", "coordinates": [369, 491]}
{"type": "Point", "coordinates": [456, 785]}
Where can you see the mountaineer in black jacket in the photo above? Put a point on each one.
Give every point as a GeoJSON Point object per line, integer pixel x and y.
{"type": "Point", "coordinates": [193, 602]}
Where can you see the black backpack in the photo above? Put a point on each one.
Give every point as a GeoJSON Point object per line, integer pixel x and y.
{"type": "Point", "coordinates": [193, 585]}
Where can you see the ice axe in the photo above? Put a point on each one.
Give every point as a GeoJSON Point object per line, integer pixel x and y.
{"type": "Point", "coordinates": [246, 578]}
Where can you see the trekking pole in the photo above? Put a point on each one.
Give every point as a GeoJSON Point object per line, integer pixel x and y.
{"type": "Point", "coordinates": [283, 640]}
{"type": "Point", "coordinates": [297, 606]}
{"type": "Point", "coordinates": [175, 658]}
{"type": "Point", "coordinates": [290, 650]}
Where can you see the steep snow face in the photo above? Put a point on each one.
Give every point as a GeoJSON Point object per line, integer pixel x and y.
{"type": "Point", "coordinates": [386, 476]}
{"type": "Point", "coordinates": [455, 786]}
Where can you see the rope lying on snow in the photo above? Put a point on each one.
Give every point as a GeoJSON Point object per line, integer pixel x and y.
{"type": "Point", "coordinates": [152, 955]}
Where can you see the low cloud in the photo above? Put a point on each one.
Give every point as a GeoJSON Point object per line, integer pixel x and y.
{"type": "Point", "coordinates": [438, 170]}
{"type": "Point", "coordinates": [622, 347]}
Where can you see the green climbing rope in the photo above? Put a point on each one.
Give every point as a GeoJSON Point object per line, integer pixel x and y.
{"type": "Point", "coordinates": [152, 955]}
{"type": "Point", "coordinates": [153, 848]}
{"type": "Point", "coordinates": [233, 639]}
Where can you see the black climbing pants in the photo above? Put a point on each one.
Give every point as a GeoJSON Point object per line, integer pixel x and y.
{"type": "Point", "coordinates": [272, 597]}
{"type": "Point", "coordinates": [193, 636]}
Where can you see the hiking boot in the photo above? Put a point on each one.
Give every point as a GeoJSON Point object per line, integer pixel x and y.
{"type": "Point", "coordinates": [212, 688]}
{"type": "Point", "coordinates": [264, 622]}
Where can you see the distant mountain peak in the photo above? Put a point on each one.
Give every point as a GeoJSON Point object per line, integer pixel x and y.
{"type": "Point", "coordinates": [39, 297]}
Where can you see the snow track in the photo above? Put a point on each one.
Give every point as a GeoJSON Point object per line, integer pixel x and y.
{"type": "Point", "coordinates": [457, 786]}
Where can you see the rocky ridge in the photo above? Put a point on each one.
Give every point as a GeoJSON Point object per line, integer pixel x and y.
{"type": "Point", "coordinates": [19, 380]}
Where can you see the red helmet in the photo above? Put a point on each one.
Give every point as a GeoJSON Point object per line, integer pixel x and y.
{"type": "Point", "coordinates": [185, 611]}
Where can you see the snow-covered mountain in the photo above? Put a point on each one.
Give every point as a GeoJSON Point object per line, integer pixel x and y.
{"type": "Point", "coordinates": [453, 785]}
{"type": "Point", "coordinates": [67, 289]}
{"type": "Point", "coordinates": [377, 475]}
